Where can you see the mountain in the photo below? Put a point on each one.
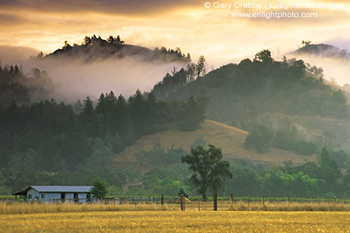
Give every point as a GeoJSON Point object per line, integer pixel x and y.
{"type": "Point", "coordinates": [229, 139]}
{"type": "Point", "coordinates": [95, 48]}
{"type": "Point", "coordinates": [324, 50]}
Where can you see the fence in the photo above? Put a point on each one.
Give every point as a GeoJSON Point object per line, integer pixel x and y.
{"type": "Point", "coordinates": [193, 202]}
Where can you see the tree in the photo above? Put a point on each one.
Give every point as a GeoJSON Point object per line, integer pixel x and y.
{"type": "Point", "coordinates": [328, 169]}
{"type": "Point", "coordinates": [306, 42]}
{"type": "Point", "coordinates": [200, 67]}
{"type": "Point", "coordinates": [99, 188]}
{"type": "Point", "coordinates": [260, 139]}
{"type": "Point", "coordinates": [66, 45]}
{"type": "Point", "coordinates": [208, 167]}
{"type": "Point", "coordinates": [263, 56]}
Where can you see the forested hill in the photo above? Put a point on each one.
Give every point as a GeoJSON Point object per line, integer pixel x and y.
{"type": "Point", "coordinates": [95, 48]}
{"type": "Point", "coordinates": [260, 86]}
{"type": "Point", "coordinates": [324, 50]}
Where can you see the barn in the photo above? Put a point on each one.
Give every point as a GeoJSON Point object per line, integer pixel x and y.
{"type": "Point", "coordinates": [56, 194]}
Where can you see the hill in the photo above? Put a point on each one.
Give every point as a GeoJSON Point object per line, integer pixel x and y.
{"type": "Point", "coordinates": [242, 94]}
{"type": "Point", "coordinates": [228, 138]}
{"type": "Point", "coordinates": [95, 48]}
{"type": "Point", "coordinates": [324, 50]}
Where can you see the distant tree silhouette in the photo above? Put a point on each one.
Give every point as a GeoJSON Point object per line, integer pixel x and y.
{"type": "Point", "coordinates": [263, 56]}
{"type": "Point", "coordinates": [306, 42]}
{"type": "Point", "coordinates": [200, 68]}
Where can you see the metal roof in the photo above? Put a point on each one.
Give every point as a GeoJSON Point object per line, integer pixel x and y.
{"type": "Point", "coordinates": [66, 189]}
{"type": "Point", "coordinates": [57, 189]}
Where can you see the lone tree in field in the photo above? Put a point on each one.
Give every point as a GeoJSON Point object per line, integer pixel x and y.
{"type": "Point", "coordinates": [99, 188]}
{"type": "Point", "coordinates": [208, 167]}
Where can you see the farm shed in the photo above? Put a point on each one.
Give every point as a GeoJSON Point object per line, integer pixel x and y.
{"type": "Point", "coordinates": [50, 194]}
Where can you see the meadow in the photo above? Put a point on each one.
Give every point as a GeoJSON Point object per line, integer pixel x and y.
{"type": "Point", "coordinates": [230, 217]}
{"type": "Point", "coordinates": [178, 221]}
{"type": "Point", "coordinates": [11, 207]}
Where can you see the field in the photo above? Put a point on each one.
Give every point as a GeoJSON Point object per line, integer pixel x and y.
{"type": "Point", "coordinates": [240, 217]}
{"type": "Point", "coordinates": [177, 221]}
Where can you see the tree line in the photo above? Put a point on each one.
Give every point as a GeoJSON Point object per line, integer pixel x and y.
{"type": "Point", "coordinates": [56, 143]}
{"type": "Point", "coordinates": [204, 172]}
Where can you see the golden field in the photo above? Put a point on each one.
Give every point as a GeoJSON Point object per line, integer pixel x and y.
{"type": "Point", "coordinates": [177, 221]}
{"type": "Point", "coordinates": [28, 208]}
{"type": "Point", "coordinates": [236, 217]}
{"type": "Point", "coordinates": [36, 208]}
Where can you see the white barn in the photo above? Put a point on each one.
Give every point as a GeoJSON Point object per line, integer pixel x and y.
{"type": "Point", "coordinates": [50, 194]}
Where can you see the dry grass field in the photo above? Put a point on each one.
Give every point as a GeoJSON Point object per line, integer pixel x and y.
{"type": "Point", "coordinates": [35, 208]}
{"type": "Point", "coordinates": [177, 221]}
{"type": "Point", "coordinates": [239, 217]}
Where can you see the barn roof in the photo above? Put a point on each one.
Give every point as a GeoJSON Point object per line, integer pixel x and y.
{"type": "Point", "coordinates": [56, 189]}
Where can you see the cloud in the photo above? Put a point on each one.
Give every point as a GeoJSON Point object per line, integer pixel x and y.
{"type": "Point", "coordinates": [10, 55]}
{"type": "Point", "coordinates": [105, 6]}
{"type": "Point", "coordinates": [214, 33]}
{"type": "Point", "coordinates": [335, 69]}
{"type": "Point", "coordinates": [9, 19]}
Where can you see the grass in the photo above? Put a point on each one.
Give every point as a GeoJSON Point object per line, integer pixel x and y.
{"type": "Point", "coordinates": [176, 221]}
{"type": "Point", "coordinates": [228, 138]}
{"type": "Point", "coordinates": [34, 208]}
{"type": "Point", "coordinates": [239, 217]}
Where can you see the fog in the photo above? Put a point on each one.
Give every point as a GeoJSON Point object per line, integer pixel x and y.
{"type": "Point", "coordinates": [11, 55]}
{"type": "Point", "coordinates": [335, 70]}
{"type": "Point", "coordinates": [335, 63]}
{"type": "Point", "coordinates": [75, 79]}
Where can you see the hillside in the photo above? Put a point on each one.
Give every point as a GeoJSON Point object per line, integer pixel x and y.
{"type": "Point", "coordinates": [267, 86]}
{"type": "Point", "coordinates": [323, 50]}
{"type": "Point", "coordinates": [241, 94]}
{"type": "Point", "coordinates": [95, 48]}
{"type": "Point", "coordinates": [228, 138]}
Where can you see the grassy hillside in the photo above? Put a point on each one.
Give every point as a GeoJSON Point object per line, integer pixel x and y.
{"type": "Point", "coordinates": [228, 138]}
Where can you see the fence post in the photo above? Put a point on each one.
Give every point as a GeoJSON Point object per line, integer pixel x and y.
{"type": "Point", "coordinates": [231, 198]}
{"type": "Point", "coordinates": [263, 200]}
{"type": "Point", "coordinates": [199, 203]}
{"type": "Point", "coordinates": [215, 202]}
{"type": "Point", "coordinates": [162, 200]}
{"type": "Point", "coordinates": [182, 202]}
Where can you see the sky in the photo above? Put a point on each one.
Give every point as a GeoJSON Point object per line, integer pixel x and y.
{"type": "Point", "coordinates": [209, 28]}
